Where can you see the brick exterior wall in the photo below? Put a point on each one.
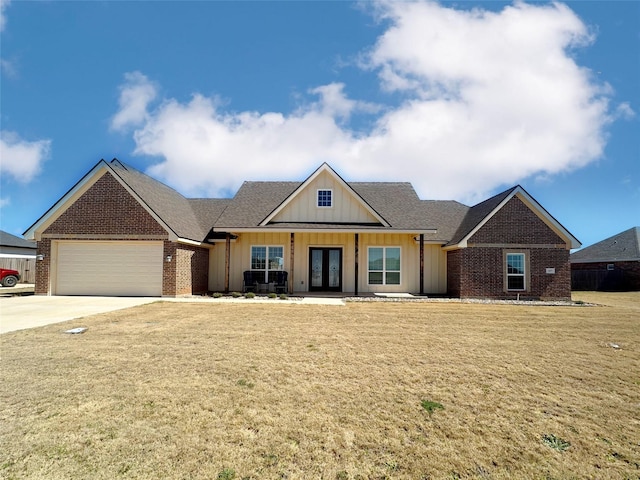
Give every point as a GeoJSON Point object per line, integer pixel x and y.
{"type": "Point", "coordinates": [107, 212]}
{"type": "Point", "coordinates": [192, 276]}
{"type": "Point", "coordinates": [478, 271]}
{"type": "Point", "coordinates": [624, 277]}
{"type": "Point", "coordinates": [106, 208]}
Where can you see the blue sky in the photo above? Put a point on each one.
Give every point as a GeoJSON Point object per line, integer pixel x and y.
{"type": "Point", "coordinates": [463, 99]}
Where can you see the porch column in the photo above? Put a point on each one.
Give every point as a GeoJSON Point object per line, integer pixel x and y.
{"type": "Point", "coordinates": [422, 264]}
{"type": "Point", "coordinates": [291, 263]}
{"type": "Point", "coordinates": [357, 253]}
{"type": "Point", "coordinates": [227, 261]}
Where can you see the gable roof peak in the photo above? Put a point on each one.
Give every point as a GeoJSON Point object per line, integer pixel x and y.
{"type": "Point", "coordinates": [325, 167]}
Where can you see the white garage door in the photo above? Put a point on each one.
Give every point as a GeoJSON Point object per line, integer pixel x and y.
{"type": "Point", "coordinates": [109, 268]}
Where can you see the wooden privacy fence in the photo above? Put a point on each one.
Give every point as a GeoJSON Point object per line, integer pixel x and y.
{"type": "Point", "coordinates": [26, 267]}
{"type": "Point", "coordinates": [597, 279]}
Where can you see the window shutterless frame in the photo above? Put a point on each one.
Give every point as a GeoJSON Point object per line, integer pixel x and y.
{"type": "Point", "coordinates": [267, 258]}
{"type": "Point", "coordinates": [324, 198]}
{"type": "Point", "coordinates": [384, 265]}
{"type": "Point", "coordinates": [516, 271]}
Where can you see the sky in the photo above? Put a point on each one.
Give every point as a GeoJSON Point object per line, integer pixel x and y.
{"type": "Point", "coordinates": [462, 99]}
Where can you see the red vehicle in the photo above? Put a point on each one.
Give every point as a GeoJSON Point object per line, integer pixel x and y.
{"type": "Point", "coordinates": [9, 278]}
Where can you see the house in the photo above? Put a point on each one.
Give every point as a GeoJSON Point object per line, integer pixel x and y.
{"type": "Point", "coordinates": [120, 232]}
{"type": "Point", "coordinates": [612, 264]}
{"type": "Point", "coordinates": [18, 254]}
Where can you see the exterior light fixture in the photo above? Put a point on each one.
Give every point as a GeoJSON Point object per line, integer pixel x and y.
{"type": "Point", "coordinates": [40, 257]}
{"type": "Point", "coordinates": [168, 258]}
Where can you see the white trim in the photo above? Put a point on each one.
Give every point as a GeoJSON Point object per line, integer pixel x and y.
{"type": "Point", "coordinates": [323, 168]}
{"type": "Point", "coordinates": [18, 255]}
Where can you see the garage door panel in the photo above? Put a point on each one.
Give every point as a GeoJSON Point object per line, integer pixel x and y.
{"type": "Point", "coordinates": [109, 268]}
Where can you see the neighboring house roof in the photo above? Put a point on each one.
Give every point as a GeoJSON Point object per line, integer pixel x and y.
{"type": "Point", "coordinates": [8, 240]}
{"type": "Point", "coordinates": [480, 214]}
{"type": "Point", "coordinates": [622, 247]}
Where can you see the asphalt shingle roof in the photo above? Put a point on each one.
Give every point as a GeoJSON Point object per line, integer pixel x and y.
{"type": "Point", "coordinates": [396, 202]}
{"type": "Point", "coordinates": [624, 246]}
{"type": "Point", "coordinates": [476, 214]}
{"type": "Point", "coordinates": [8, 240]}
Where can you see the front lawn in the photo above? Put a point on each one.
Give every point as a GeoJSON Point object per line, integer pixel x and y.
{"type": "Point", "coordinates": [290, 391]}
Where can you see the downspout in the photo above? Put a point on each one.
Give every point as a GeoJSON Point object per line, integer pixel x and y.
{"type": "Point", "coordinates": [227, 261]}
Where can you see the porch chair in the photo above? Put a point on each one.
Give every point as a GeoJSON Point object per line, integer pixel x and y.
{"type": "Point", "coordinates": [280, 282]}
{"type": "Point", "coordinates": [249, 282]}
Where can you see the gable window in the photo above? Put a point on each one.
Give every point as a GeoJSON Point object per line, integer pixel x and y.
{"type": "Point", "coordinates": [384, 266]}
{"type": "Point", "coordinates": [516, 271]}
{"type": "Point", "coordinates": [325, 198]}
{"type": "Point", "coordinates": [267, 259]}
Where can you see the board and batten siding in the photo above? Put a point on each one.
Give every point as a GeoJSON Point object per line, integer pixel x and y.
{"type": "Point", "coordinates": [435, 275]}
{"type": "Point", "coordinates": [346, 207]}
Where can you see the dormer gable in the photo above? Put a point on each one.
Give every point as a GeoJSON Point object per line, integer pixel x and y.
{"type": "Point", "coordinates": [325, 198]}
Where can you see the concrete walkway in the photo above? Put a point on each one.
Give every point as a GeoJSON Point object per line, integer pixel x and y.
{"type": "Point", "coordinates": [23, 312]}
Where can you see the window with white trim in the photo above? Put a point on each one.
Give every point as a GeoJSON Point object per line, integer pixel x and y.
{"type": "Point", "coordinates": [325, 198]}
{"type": "Point", "coordinates": [267, 258]}
{"type": "Point", "coordinates": [384, 266]}
{"type": "Point", "coordinates": [516, 271]}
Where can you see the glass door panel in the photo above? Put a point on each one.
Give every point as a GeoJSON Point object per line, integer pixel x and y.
{"type": "Point", "coordinates": [325, 269]}
{"type": "Point", "coordinates": [316, 267]}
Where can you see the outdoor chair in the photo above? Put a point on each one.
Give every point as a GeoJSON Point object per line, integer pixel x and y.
{"type": "Point", "coordinates": [249, 282]}
{"type": "Point", "coordinates": [280, 282]}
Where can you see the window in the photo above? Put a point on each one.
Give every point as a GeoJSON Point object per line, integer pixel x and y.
{"type": "Point", "coordinates": [324, 198]}
{"type": "Point", "coordinates": [516, 271]}
{"type": "Point", "coordinates": [384, 265]}
{"type": "Point", "coordinates": [610, 266]}
{"type": "Point", "coordinates": [267, 259]}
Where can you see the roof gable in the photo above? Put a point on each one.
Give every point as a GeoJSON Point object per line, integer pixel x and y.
{"type": "Point", "coordinates": [73, 194]}
{"type": "Point", "coordinates": [300, 205]}
{"type": "Point", "coordinates": [624, 246]}
{"type": "Point", "coordinates": [347, 207]}
{"type": "Point", "coordinates": [170, 209]}
{"type": "Point", "coordinates": [478, 215]}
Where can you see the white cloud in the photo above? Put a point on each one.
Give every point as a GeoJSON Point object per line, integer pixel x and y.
{"type": "Point", "coordinates": [5, 201]}
{"type": "Point", "coordinates": [135, 95]}
{"type": "Point", "coordinates": [21, 159]}
{"type": "Point", "coordinates": [490, 98]}
{"type": "Point", "coordinates": [3, 18]}
{"type": "Point", "coordinates": [8, 68]}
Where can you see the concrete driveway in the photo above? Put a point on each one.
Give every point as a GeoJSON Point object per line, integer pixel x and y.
{"type": "Point", "coordinates": [21, 312]}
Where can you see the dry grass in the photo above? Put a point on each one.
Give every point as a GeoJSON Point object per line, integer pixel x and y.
{"type": "Point", "coordinates": [206, 391]}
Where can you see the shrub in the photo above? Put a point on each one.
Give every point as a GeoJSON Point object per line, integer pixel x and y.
{"type": "Point", "coordinates": [236, 294]}
{"type": "Point", "coordinates": [272, 295]}
{"type": "Point", "coordinates": [555, 442]}
{"type": "Point", "coordinates": [249, 295]}
{"type": "Point", "coordinates": [217, 295]}
{"type": "Point", "coordinates": [430, 406]}
{"type": "Point", "coordinates": [283, 296]}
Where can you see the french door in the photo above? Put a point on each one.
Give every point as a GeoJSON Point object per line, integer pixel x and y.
{"type": "Point", "coordinates": [325, 269]}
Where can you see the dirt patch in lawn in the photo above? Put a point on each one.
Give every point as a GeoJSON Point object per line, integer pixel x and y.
{"type": "Point", "coordinates": [365, 391]}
